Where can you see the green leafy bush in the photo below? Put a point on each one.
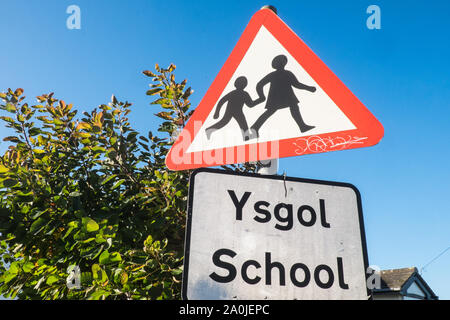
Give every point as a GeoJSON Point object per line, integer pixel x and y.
{"type": "Point", "coordinates": [90, 191]}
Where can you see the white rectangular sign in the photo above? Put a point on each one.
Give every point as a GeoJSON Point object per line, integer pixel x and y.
{"type": "Point", "coordinates": [273, 237]}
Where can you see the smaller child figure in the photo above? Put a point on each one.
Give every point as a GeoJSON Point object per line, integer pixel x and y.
{"type": "Point", "coordinates": [236, 100]}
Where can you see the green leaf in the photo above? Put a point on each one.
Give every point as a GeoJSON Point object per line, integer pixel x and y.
{"type": "Point", "coordinates": [177, 272]}
{"type": "Point", "coordinates": [161, 101]}
{"type": "Point", "coordinates": [38, 225]}
{"type": "Point", "coordinates": [98, 149]}
{"type": "Point", "coordinates": [104, 257]}
{"type": "Point", "coordinates": [88, 240]}
{"type": "Point", "coordinates": [8, 277]}
{"type": "Point", "coordinates": [148, 73]}
{"type": "Point", "coordinates": [164, 115]}
{"type": "Point", "coordinates": [152, 92]}
{"type": "Point", "coordinates": [73, 224]}
{"type": "Point", "coordinates": [95, 270]}
{"type": "Point", "coordinates": [38, 213]}
{"type": "Point", "coordinates": [12, 139]}
{"type": "Point", "coordinates": [108, 178]}
{"type": "Point", "coordinates": [117, 184]}
{"type": "Point", "coordinates": [34, 131]}
{"type": "Point", "coordinates": [28, 267]}
{"type": "Point", "coordinates": [98, 273]}
{"type": "Point", "coordinates": [132, 135]}
{"type": "Point", "coordinates": [148, 242]}
{"type": "Point", "coordinates": [68, 232]}
{"type": "Point", "coordinates": [115, 257]}
{"type": "Point", "coordinates": [10, 107]}
{"type": "Point", "coordinates": [14, 268]}
{"type": "Point", "coordinates": [99, 295]}
{"type": "Point", "coordinates": [7, 119]}
{"type": "Point", "coordinates": [109, 258]}
{"type": "Point", "coordinates": [52, 279]}
{"type": "Point", "coordinates": [123, 278]}
{"type": "Point", "coordinates": [89, 224]}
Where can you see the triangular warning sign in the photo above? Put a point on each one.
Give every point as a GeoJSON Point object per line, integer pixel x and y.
{"type": "Point", "coordinates": [273, 98]}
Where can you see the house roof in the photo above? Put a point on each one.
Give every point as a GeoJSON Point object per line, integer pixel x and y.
{"type": "Point", "coordinates": [399, 280]}
{"type": "Point", "coordinates": [394, 279]}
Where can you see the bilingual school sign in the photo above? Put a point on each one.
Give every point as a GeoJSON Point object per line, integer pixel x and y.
{"type": "Point", "coordinates": [273, 98]}
{"type": "Point", "coordinates": [272, 237]}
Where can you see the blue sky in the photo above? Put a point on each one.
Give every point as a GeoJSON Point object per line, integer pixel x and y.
{"type": "Point", "coordinates": [399, 72]}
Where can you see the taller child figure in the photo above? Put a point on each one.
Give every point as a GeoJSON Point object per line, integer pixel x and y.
{"type": "Point", "coordinates": [281, 95]}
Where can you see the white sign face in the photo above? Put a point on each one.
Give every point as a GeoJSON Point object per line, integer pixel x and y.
{"type": "Point", "coordinates": [256, 64]}
{"type": "Point", "coordinates": [273, 237]}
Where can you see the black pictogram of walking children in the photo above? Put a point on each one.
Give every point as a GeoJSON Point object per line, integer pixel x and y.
{"type": "Point", "coordinates": [281, 95]}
